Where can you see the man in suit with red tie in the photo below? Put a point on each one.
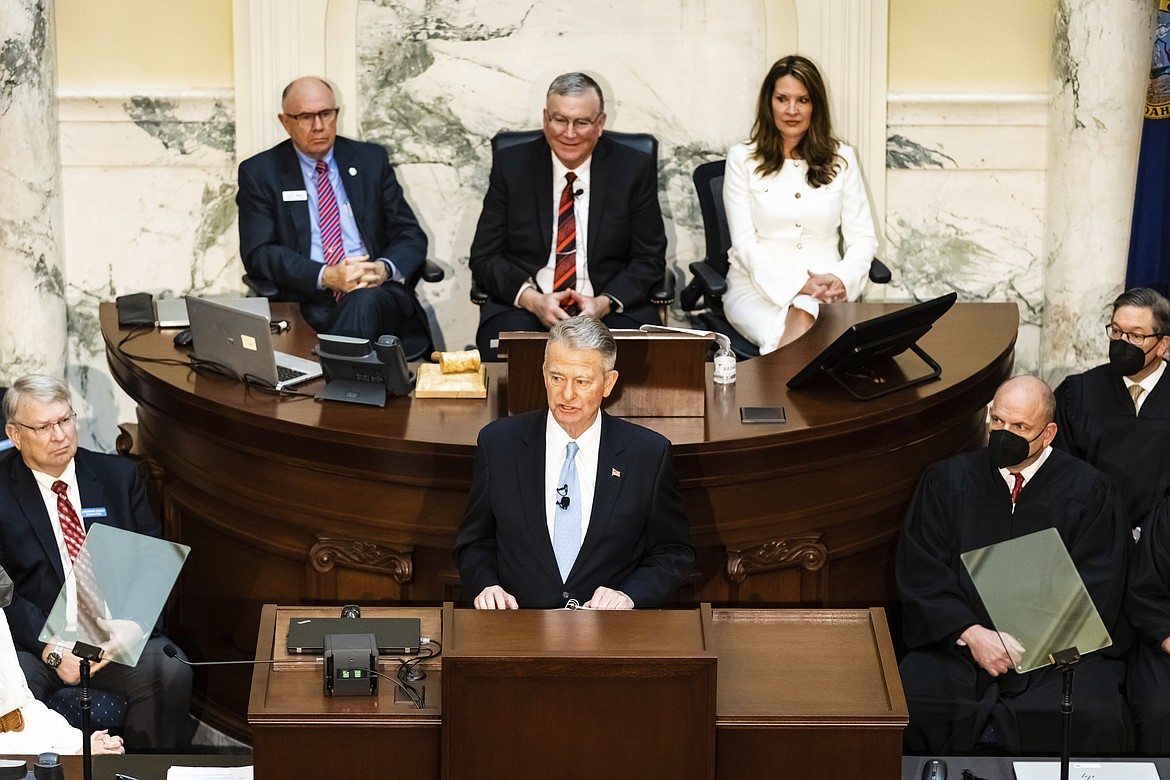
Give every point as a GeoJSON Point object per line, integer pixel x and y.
{"type": "Point", "coordinates": [570, 504]}
{"type": "Point", "coordinates": [324, 217]}
{"type": "Point", "coordinates": [570, 224]}
{"type": "Point", "coordinates": [51, 493]}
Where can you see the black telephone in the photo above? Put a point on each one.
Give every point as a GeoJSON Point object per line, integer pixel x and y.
{"type": "Point", "coordinates": [361, 373]}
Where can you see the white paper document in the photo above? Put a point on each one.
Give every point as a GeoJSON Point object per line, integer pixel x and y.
{"type": "Point", "coordinates": [209, 773]}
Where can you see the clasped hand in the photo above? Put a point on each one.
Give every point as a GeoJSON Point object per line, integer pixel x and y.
{"type": "Point", "coordinates": [354, 273]}
{"type": "Point", "coordinates": [550, 308]}
{"type": "Point", "coordinates": [825, 288]}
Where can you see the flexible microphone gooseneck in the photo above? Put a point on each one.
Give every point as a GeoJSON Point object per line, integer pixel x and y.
{"type": "Point", "coordinates": [170, 651]}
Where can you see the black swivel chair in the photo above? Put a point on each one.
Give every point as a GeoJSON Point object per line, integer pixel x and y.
{"type": "Point", "coordinates": [661, 297]}
{"type": "Point", "coordinates": [703, 297]}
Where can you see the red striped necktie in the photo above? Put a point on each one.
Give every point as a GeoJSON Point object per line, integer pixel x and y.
{"type": "Point", "coordinates": [329, 221]}
{"type": "Point", "coordinates": [565, 272]}
{"type": "Point", "coordinates": [1017, 486]}
{"type": "Point", "coordinates": [88, 599]}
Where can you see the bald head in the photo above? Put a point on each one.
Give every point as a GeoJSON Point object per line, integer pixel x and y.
{"type": "Point", "coordinates": [309, 115]}
{"type": "Point", "coordinates": [1029, 391]}
{"type": "Point", "coordinates": [1025, 406]}
{"type": "Point", "coordinates": [306, 87]}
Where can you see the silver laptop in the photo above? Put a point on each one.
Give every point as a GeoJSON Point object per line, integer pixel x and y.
{"type": "Point", "coordinates": [1089, 770]}
{"type": "Point", "coordinates": [242, 342]}
{"type": "Point", "coordinates": [172, 312]}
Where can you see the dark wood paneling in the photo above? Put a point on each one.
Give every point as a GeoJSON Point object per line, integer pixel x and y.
{"type": "Point", "coordinates": [256, 483]}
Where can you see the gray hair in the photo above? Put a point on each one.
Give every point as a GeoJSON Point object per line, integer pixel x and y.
{"type": "Point", "coordinates": [1145, 298]}
{"type": "Point", "coordinates": [583, 332]}
{"type": "Point", "coordinates": [38, 387]}
{"type": "Point", "coordinates": [575, 84]}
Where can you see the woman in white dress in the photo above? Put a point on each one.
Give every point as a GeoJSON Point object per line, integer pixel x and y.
{"type": "Point", "coordinates": [792, 193]}
{"type": "Point", "coordinates": [28, 727]}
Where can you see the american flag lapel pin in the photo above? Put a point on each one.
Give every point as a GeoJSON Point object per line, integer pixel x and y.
{"type": "Point", "coordinates": [615, 473]}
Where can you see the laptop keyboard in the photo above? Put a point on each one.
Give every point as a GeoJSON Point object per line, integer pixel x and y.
{"type": "Point", "coordinates": [285, 374]}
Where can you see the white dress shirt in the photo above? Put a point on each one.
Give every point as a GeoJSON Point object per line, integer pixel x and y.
{"type": "Point", "coordinates": [45, 484]}
{"type": "Point", "coordinates": [1147, 384]}
{"type": "Point", "coordinates": [545, 276]}
{"type": "Point", "coordinates": [588, 443]}
{"type": "Point", "coordinates": [1029, 471]}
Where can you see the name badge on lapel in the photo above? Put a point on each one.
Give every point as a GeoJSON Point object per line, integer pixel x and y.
{"type": "Point", "coordinates": [294, 195]}
{"type": "Point", "coordinates": [95, 511]}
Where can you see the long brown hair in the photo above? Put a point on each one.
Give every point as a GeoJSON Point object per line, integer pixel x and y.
{"type": "Point", "coordinates": [818, 147]}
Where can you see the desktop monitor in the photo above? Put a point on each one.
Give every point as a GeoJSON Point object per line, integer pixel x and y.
{"type": "Point", "coordinates": [865, 359]}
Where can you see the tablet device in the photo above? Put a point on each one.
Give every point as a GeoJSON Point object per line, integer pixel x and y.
{"type": "Point", "coordinates": [762, 414]}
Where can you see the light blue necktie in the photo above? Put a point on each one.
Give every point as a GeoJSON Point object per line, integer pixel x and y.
{"type": "Point", "coordinates": [567, 520]}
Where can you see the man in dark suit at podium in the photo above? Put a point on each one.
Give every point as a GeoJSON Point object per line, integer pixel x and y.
{"type": "Point", "coordinates": [324, 217]}
{"type": "Point", "coordinates": [51, 493]}
{"type": "Point", "coordinates": [570, 504]}
{"type": "Point", "coordinates": [570, 224]}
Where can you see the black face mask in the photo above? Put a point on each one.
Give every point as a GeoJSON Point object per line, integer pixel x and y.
{"type": "Point", "coordinates": [1007, 448]}
{"type": "Point", "coordinates": [6, 588]}
{"type": "Point", "coordinates": [1126, 359]}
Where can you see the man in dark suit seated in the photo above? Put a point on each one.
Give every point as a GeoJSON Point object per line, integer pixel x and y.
{"type": "Point", "coordinates": [51, 493]}
{"type": "Point", "coordinates": [570, 224]}
{"type": "Point", "coordinates": [570, 503]}
{"type": "Point", "coordinates": [324, 217]}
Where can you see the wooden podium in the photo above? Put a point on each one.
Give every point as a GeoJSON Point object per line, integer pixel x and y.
{"type": "Point", "coordinates": [659, 374]}
{"type": "Point", "coordinates": [619, 695]}
{"type": "Point", "coordinates": [697, 693]}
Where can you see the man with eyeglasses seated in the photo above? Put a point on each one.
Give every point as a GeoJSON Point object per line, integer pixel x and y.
{"type": "Point", "coordinates": [51, 493]}
{"type": "Point", "coordinates": [1117, 416]}
{"type": "Point", "coordinates": [570, 224]}
{"type": "Point", "coordinates": [324, 217]}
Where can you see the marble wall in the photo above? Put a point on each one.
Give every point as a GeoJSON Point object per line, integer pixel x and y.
{"type": "Point", "coordinates": [438, 79]}
{"type": "Point", "coordinates": [966, 194]}
{"type": "Point", "coordinates": [32, 305]}
{"type": "Point", "coordinates": [148, 183]}
{"type": "Point", "coordinates": [147, 178]}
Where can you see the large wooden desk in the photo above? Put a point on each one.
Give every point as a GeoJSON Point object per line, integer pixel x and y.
{"type": "Point", "coordinates": [813, 694]}
{"type": "Point", "coordinates": [292, 501]}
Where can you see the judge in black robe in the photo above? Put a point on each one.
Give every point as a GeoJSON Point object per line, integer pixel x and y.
{"type": "Point", "coordinates": [1096, 421]}
{"type": "Point", "coordinates": [1148, 606]}
{"type": "Point", "coordinates": [1095, 414]}
{"type": "Point", "coordinates": [964, 503]}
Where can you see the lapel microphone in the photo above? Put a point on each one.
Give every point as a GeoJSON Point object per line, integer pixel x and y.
{"type": "Point", "coordinates": [563, 501]}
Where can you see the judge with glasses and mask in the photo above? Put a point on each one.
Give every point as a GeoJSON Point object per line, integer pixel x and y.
{"type": "Point", "coordinates": [1117, 416]}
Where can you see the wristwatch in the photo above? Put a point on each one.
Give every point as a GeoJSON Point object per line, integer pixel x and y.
{"type": "Point", "coordinates": [53, 660]}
